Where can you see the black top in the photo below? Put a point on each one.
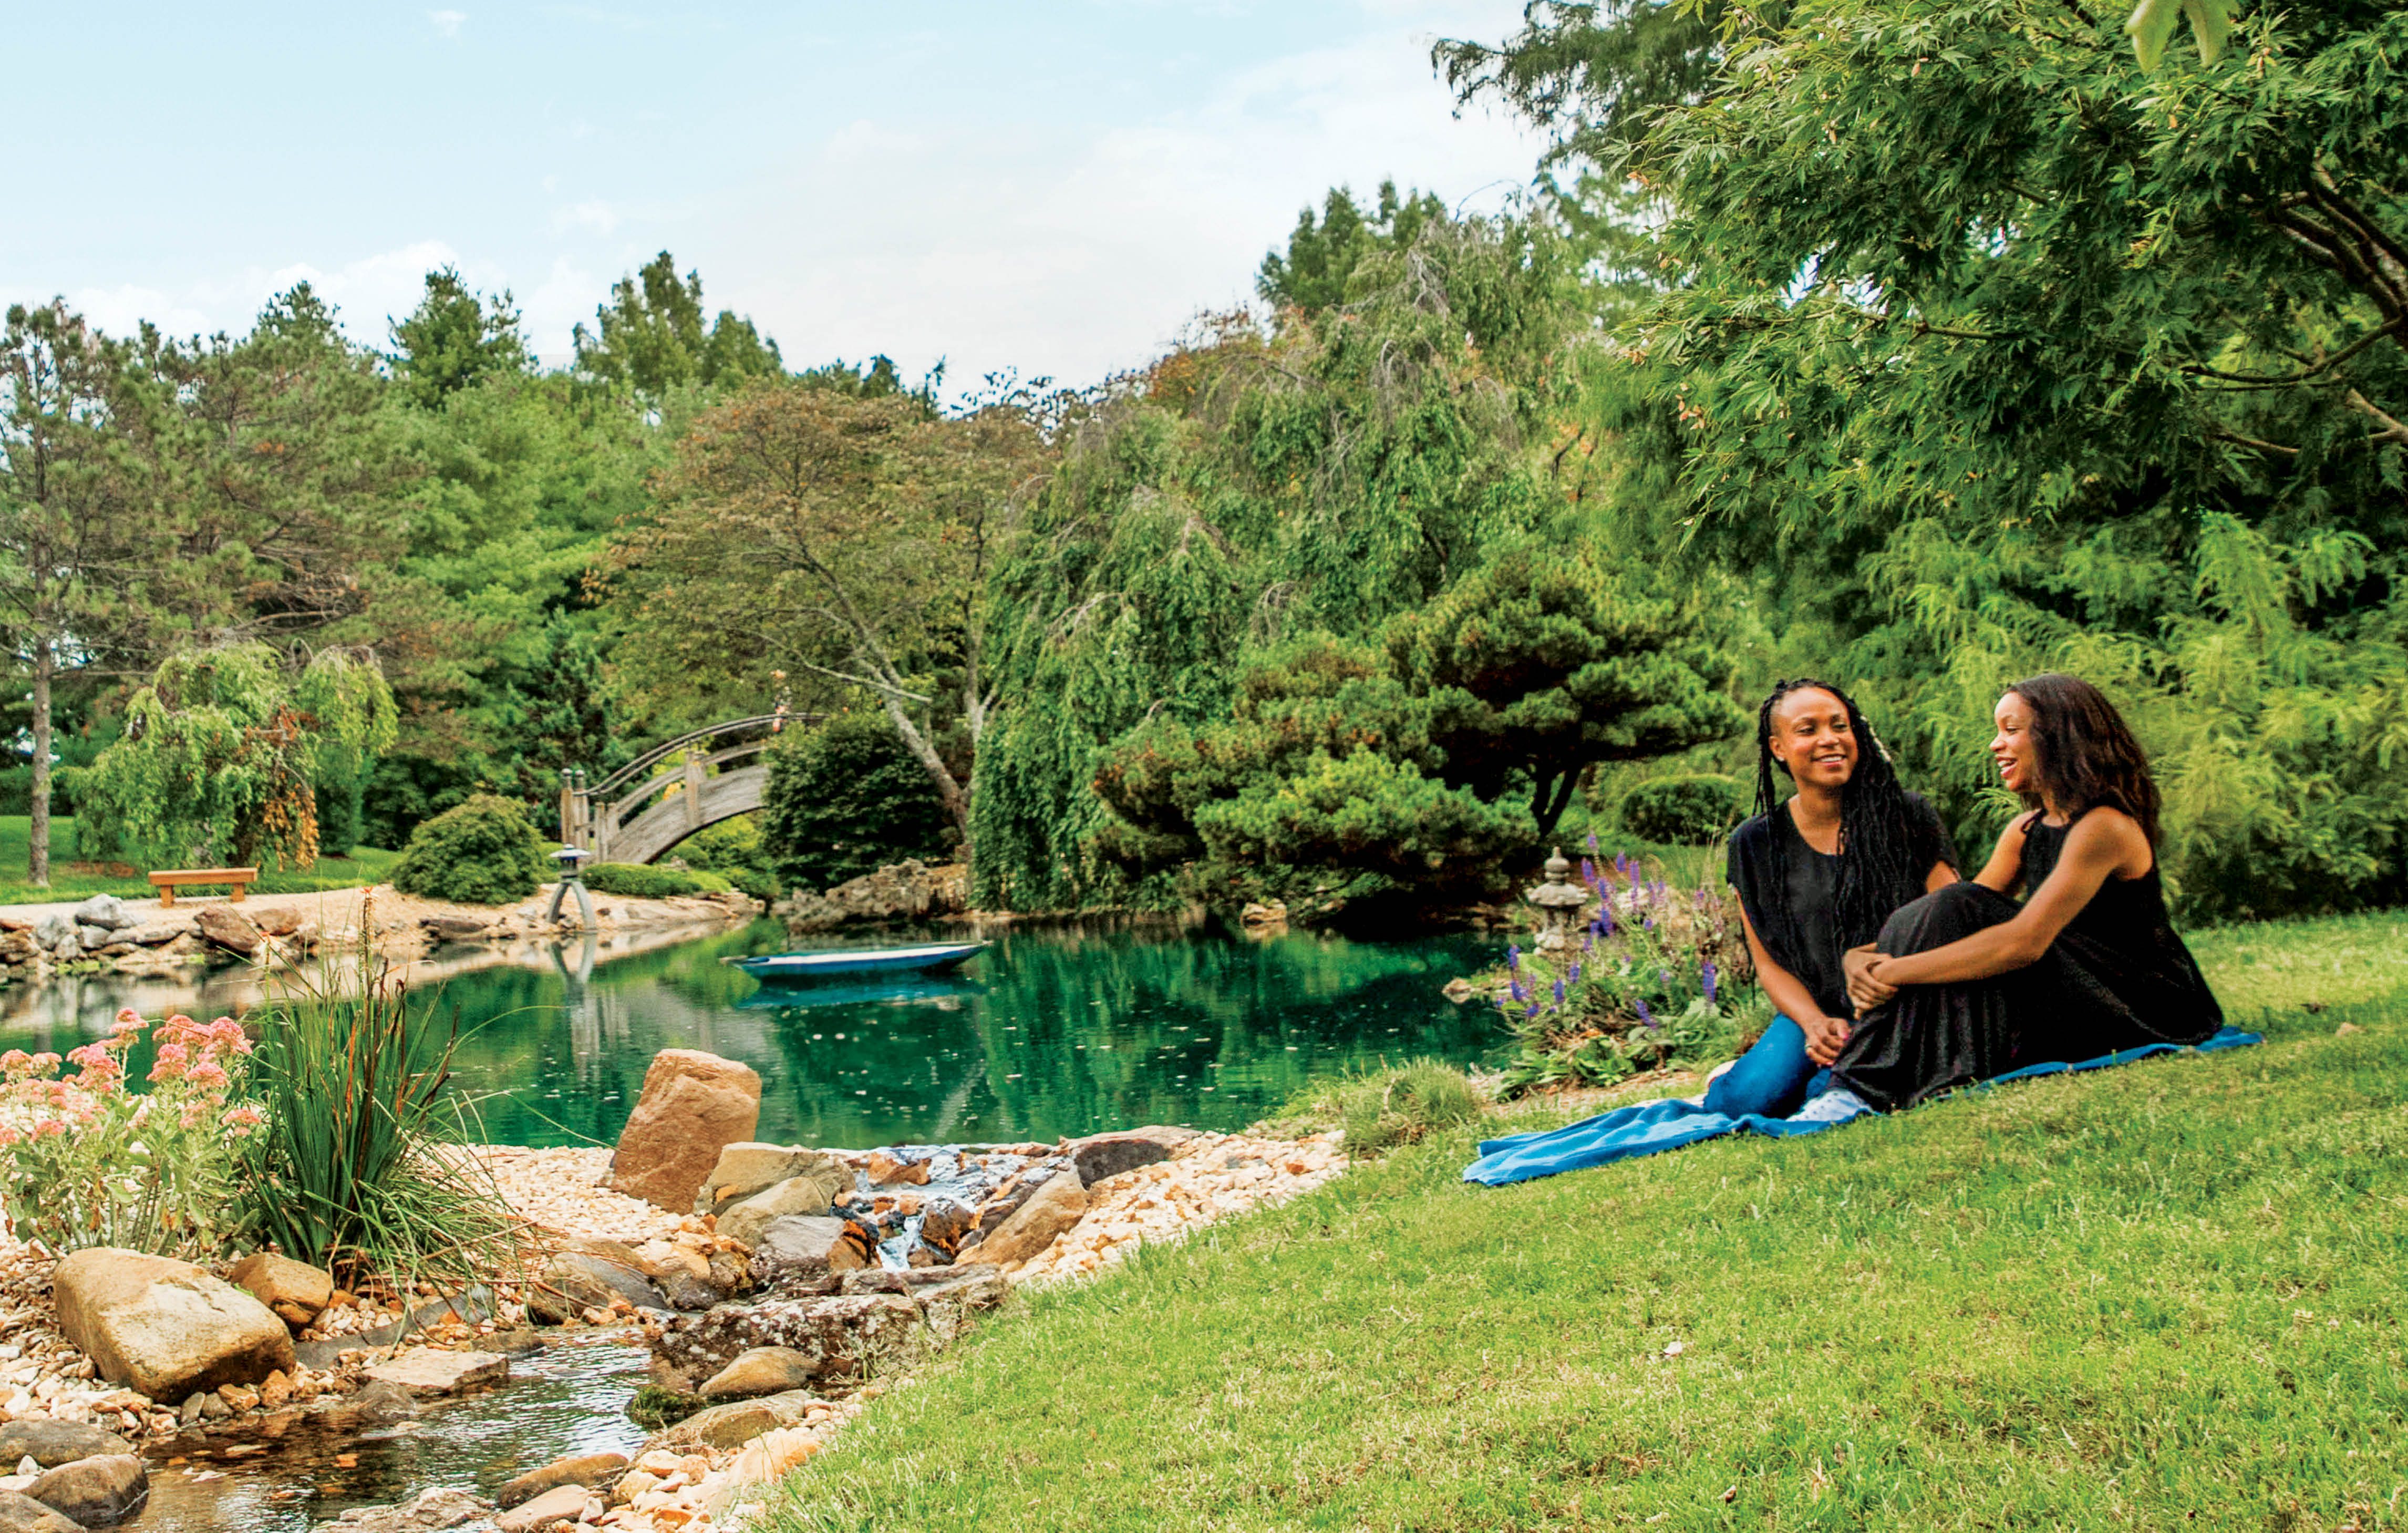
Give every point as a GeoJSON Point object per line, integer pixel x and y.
{"type": "Point", "coordinates": [1791, 893]}
{"type": "Point", "coordinates": [2123, 960]}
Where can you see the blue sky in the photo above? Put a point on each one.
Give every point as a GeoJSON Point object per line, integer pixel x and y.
{"type": "Point", "coordinates": [1054, 187]}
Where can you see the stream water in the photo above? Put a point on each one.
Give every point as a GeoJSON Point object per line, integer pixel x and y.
{"type": "Point", "coordinates": [1053, 1030]}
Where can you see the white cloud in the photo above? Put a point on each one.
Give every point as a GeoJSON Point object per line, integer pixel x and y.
{"type": "Point", "coordinates": [593, 213]}
{"type": "Point", "coordinates": [447, 22]}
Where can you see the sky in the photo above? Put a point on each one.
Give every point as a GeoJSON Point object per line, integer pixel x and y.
{"type": "Point", "coordinates": [1054, 188]}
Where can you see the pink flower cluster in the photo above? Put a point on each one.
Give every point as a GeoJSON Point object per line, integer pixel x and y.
{"type": "Point", "coordinates": [191, 1071]}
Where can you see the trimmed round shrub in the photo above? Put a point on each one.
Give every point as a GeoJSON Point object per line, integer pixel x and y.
{"type": "Point", "coordinates": [847, 798]}
{"type": "Point", "coordinates": [642, 881]}
{"type": "Point", "coordinates": [1682, 811]}
{"type": "Point", "coordinates": [481, 852]}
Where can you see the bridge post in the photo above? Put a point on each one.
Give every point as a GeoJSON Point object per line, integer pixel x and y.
{"type": "Point", "coordinates": [693, 791]}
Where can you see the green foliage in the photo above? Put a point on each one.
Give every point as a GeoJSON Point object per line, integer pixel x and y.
{"type": "Point", "coordinates": [650, 337]}
{"type": "Point", "coordinates": [736, 851]}
{"type": "Point", "coordinates": [1459, 742]}
{"type": "Point", "coordinates": [2151, 26]}
{"type": "Point", "coordinates": [1402, 1106]}
{"type": "Point", "coordinates": [642, 881]}
{"type": "Point", "coordinates": [845, 798]}
{"type": "Point", "coordinates": [480, 853]}
{"type": "Point", "coordinates": [1992, 354]}
{"type": "Point", "coordinates": [1321, 255]}
{"type": "Point", "coordinates": [350, 1170]}
{"type": "Point", "coordinates": [1684, 811]}
{"type": "Point", "coordinates": [222, 753]}
{"type": "Point", "coordinates": [1245, 492]}
{"type": "Point", "coordinates": [452, 339]}
{"type": "Point", "coordinates": [1660, 977]}
{"type": "Point", "coordinates": [85, 1162]}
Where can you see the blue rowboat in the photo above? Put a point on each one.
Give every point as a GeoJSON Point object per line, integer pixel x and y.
{"type": "Point", "coordinates": [932, 959]}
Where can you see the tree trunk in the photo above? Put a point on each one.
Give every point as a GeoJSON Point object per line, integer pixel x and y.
{"type": "Point", "coordinates": [38, 837]}
{"type": "Point", "coordinates": [948, 791]}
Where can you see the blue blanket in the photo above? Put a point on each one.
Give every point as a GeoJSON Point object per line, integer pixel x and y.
{"type": "Point", "coordinates": [1653, 1127]}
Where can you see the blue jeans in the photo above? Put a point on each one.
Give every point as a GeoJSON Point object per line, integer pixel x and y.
{"type": "Point", "coordinates": [1772, 1080]}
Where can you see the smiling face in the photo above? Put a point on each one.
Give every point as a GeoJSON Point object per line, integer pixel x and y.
{"type": "Point", "coordinates": [1813, 739]}
{"type": "Point", "coordinates": [2016, 745]}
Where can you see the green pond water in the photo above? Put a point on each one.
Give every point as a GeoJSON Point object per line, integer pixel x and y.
{"type": "Point", "coordinates": [1053, 1030]}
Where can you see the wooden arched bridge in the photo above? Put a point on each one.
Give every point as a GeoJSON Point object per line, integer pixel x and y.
{"type": "Point", "coordinates": [672, 790]}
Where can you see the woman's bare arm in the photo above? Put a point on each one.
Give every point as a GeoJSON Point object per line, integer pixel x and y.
{"type": "Point", "coordinates": [2103, 844]}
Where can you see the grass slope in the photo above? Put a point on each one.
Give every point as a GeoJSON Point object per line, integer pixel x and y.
{"type": "Point", "coordinates": [2164, 1297]}
{"type": "Point", "coordinates": [363, 865]}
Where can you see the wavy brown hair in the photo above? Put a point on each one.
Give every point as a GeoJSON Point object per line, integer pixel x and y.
{"type": "Point", "coordinates": [2088, 755]}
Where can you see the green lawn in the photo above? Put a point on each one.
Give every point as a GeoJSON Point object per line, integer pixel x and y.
{"type": "Point", "coordinates": [363, 865]}
{"type": "Point", "coordinates": [2165, 1297]}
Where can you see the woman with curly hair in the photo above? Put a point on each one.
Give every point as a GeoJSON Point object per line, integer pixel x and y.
{"type": "Point", "coordinates": [1816, 875]}
{"type": "Point", "coordinates": [1965, 984]}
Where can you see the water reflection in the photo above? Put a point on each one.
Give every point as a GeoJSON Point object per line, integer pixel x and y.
{"type": "Point", "coordinates": [1053, 1030]}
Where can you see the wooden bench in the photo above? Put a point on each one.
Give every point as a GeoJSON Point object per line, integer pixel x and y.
{"type": "Point", "coordinates": [168, 882]}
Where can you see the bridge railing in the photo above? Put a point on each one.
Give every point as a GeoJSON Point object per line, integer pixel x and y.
{"type": "Point", "coordinates": [592, 816]}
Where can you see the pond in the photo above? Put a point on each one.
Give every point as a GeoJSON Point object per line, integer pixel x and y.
{"type": "Point", "coordinates": [1054, 1030]}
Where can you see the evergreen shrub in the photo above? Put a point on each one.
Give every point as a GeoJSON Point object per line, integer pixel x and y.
{"type": "Point", "coordinates": [481, 852]}
{"type": "Point", "coordinates": [1682, 811]}
{"type": "Point", "coordinates": [847, 798]}
{"type": "Point", "coordinates": [642, 881]}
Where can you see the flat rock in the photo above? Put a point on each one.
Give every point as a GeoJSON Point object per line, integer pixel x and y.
{"type": "Point", "coordinates": [804, 1246]}
{"type": "Point", "coordinates": [887, 1170]}
{"type": "Point", "coordinates": [587, 1471]}
{"type": "Point", "coordinates": [763, 1371]}
{"type": "Point", "coordinates": [52, 1444]}
{"type": "Point", "coordinates": [380, 1404]}
{"type": "Point", "coordinates": [589, 1275]}
{"type": "Point", "coordinates": [1101, 1155]}
{"type": "Point", "coordinates": [431, 1371]}
{"type": "Point", "coordinates": [734, 1424]}
{"type": "Point", "coordinates": [277, 920]}
{"type": "Point", "coordinates": [224, 927]}
{"type": "Point", "coordinates": [298, 1292]}
{"type": "Point", "coordinates": [1058, 1205]}
{"type": "Point", "coordinates": [443, 1507]}
{"type": "Point", "coordinates": [152, 933]}
{"type": "Point", "coordinates": [694, 1106]}
{"type": "Point", "coordinates": [747, 1220]}
{"type": "Point", "coordinates": [560, 1504]}
{"type": "Point", "coordinates": [748, 1166]}
{"type": "Point", "coordinates": [95, 1492]}
{"type": "Point", "coordinates": [458, 928]}
{"type": "Point", "coordinates": [22, 1513]}
{"type": "Point", "coordinates": [163, 1328]}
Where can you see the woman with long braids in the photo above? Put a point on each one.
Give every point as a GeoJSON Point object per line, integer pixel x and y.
{"type": "Point", "coordinates": [1965, 984]}
{"type": "Point", "coordinates": [1817, 875]}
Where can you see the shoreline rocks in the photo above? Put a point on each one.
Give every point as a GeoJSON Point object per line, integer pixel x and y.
{"type": "Point", "coordinates": [692, 1106]}
{"type": "Point", "coordinates": [164, 1329]}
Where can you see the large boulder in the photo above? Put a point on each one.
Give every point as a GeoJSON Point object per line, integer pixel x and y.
{"type": "Point", "coordinates": [95, 1492]}
{"type": "Point", "coordinates": [432, 1370]}
{"type": "Point", "coordinates": [52, 1444]}
{"type": "Point", "coordinates": [746, 1220]}
{"type": "Point", "coordinates": [749, 1166]}
{"type": "Point", "coordinates": [588, 1470]}
{"type": "Point", "coordinates": [763, 1371]}
{"type": "Point", "coordinates": [224, 927]}
{"type": "Point", "coordinates": [837, 1337]}
{"type": "Point", "coordinates": [734, 1425]}
{"type": "Point", "coordinates": [592, 1275]}
{"type": "Point", "coordinates": [804, 1246]}
{"type": "Point", "coordinates": [105, 911]}
{"type": "Point", "coordinates": [442, 1507]}
{"type": "Point", "coordinates": [694, 1106]}
{"type": "Point", "coordinates": [1058, 1205]}
{"type": "Point", "coordinates": [54, 928]}
{"type": "Point", "coordinates": [24, 1514]}
{"type": "Point", "coordinates": [908, 891]}
{"type": "Point", "coordinates": [296, 1291]}
{"type": "Point", "coordinates": [1101, 1155]}
{"type": "Point", "coordinates": [163, 1328]}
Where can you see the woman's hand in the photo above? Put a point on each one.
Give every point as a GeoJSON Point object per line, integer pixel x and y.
{"type": "Point", "coordinates": [1865, 987]}
{"type": "Point", "coordinates": [1824, 1038]}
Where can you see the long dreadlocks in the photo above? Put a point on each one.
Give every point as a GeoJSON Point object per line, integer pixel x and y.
{"type": "Point", "coordinates": [1877, 839]}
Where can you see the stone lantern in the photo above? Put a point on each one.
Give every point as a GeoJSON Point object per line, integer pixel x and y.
{"type": "Point", "coordinates": [1561, 902]}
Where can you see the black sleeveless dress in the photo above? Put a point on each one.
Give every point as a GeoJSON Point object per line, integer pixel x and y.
{"type": "Point", "coordinates": [2117, 976]}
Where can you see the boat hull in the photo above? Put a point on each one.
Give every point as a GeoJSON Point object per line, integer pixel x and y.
{"type": "Point", "coordinates": [805, 968]}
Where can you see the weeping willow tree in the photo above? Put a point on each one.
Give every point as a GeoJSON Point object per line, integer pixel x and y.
{"type": "Point", "coordinates": [224, 752]}
{"type": "Point", "coordinates": [1251, 487]}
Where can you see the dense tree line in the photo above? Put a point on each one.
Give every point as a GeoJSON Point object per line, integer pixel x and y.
{"type": "Point", "coordinates": [1922, 344]}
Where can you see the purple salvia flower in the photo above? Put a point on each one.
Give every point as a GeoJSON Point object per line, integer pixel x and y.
{"type": "Point", "coordinates": [1559, 991]}
{"type": "Point", "coordinates": [1592, 843]}
{"type": "Point", "coordinates": [1706, 970]}
{"type": "Point", "coordinates": [1588, 872]}
{"type": "Point", "coordinates": [1605, 920]}
{"type": "Point", "coordinates": [1531, 1013]}
{"type": "Point", "coordinates": [1513, 988]}
{"type": "Point", "coordinates": [1645, 1016]}
{"type": "Point", "coordinates": [1648, 921]}
{"type": "Point", "coordinates": [1576, 969]}
{"type": "Point", "coordinates": [1513, 958]}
